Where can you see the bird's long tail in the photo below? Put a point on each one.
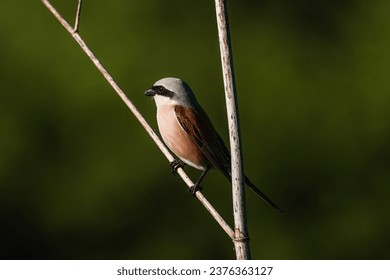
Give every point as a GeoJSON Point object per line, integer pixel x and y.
{"type": "Point", "coordinates": [262, 195]}
{"type": "Point", "coordinates": [226, 171]}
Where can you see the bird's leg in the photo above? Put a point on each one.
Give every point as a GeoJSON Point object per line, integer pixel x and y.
{"type": "Point", "coordinates": [176, 164]}
{"type": "Point", "coordinates": [193, 189]}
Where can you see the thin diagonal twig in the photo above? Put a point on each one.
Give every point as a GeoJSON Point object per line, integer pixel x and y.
{"type": "Point", "coordinates": [138, 115]}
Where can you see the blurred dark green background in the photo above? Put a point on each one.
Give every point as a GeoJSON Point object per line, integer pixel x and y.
{"type": "Point", "coordinates": [80, 178]}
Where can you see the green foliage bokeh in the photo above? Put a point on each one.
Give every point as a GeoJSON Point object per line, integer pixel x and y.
{"type": "Point", "coordinates": [80, 178]}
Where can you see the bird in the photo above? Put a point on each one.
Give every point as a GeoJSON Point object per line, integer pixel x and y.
{"type": "Point", "coordinates": [189, 133]}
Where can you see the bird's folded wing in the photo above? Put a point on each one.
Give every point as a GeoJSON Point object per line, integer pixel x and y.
{"type": "Point", "coordinates": [202, 132]}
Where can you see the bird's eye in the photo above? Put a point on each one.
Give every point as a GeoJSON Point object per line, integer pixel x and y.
{"type": "Point", "coordinates": [160, 89]}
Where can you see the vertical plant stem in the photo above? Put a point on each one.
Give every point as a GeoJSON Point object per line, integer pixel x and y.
{"type": "Point", "coordinates": [241, 240]}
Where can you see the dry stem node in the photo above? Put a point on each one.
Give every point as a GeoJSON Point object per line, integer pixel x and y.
{"type": "Point", "coordinates": [241, 239]}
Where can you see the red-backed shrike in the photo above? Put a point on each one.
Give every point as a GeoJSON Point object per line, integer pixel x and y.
{"type": "Point", "coordinates": [188, 132]}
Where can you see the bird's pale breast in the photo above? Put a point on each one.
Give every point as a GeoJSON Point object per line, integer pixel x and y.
{"type": "Point", "coordinates": [178, 141]}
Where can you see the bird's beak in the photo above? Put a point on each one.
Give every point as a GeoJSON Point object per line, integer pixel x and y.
{"type": "Point", "coordinates": [150, 92]}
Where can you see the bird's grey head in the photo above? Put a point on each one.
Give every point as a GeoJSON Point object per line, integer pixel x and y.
{"type": "Point", "coordinates": [172, 91]}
